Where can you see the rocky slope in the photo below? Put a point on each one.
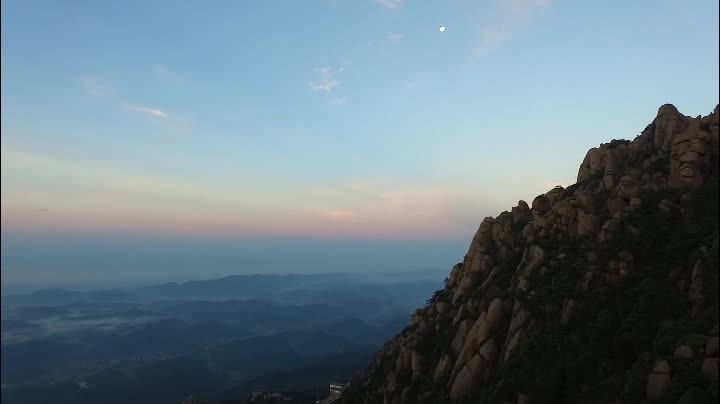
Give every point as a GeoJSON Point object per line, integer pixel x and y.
{"type": "Point", "coordinates": [603, 292]}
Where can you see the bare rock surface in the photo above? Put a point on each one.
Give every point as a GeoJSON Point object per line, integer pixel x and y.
{"type": "Point", "coordinates": [602, 292]}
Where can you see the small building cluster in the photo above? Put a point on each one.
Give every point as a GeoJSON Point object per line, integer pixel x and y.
{"type": "Point", "coordinates": [336, 390]}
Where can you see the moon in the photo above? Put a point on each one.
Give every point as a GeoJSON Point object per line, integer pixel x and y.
{"type": "Point", "coordinates": [442, 29]}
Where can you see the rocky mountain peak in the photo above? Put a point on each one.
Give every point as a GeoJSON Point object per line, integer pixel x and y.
{"type": "Point", "coordinates": [602, 292]}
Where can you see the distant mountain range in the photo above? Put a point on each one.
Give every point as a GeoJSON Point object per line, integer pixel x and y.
{"type": "Point", "coordinates": [214, 339]}
{"type": "Point", "coordinates": [243, 287]}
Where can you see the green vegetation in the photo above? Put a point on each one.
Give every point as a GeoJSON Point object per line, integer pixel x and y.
{"type": "Point", "coordinates": [618, 327]}
{"type": "Point", "coordinates": [616, 142]}
{"type": "Point", "coordinates": [593, 179]}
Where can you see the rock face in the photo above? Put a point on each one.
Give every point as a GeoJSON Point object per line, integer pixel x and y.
{"type": "Point", "coordinates": [659, 380]}
{"type": "Point", "coordinates": [602, 292]}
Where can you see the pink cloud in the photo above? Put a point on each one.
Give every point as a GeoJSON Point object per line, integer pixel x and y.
{"type": "Point", "coordinates": [340, 214]}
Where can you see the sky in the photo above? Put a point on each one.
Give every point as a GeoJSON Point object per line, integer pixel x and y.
{"type": "Point", "coordinates": [329, 125]}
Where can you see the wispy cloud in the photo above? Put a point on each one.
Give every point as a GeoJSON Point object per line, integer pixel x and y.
{"type": "Point", "coordinates": [326, 81]}
{"type": "Point", "coordinates": [99, 88]}
{"type": "Point", "coordinates": [119, 198]}
{"type": "Point", "coordinates": [509, 17]}
{"type": "Point", "coordinates": [395, 37]}
{"type": "Point", "coordinates": [164, 72]}
{"type": "Point", "coordinates": [124, 197]}
{"type": "Point", "coordinates": [154, 112]}
{"type": "Point", "coordinates": [404, 208]}
{"type": "Point", "coordinates": [390, 3]}
{"type": "Point", "coordinates": [96, 87]}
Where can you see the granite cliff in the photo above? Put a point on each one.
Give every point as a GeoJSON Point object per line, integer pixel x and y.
{"type": "Point", "coordinates": [602, 292]}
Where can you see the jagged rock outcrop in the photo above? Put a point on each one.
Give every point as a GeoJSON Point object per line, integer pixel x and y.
{"type": "Point", "coordinates": [602, 292]}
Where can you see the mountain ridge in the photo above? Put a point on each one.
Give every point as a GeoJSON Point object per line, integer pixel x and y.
{"type": "Point", "coordinates": [611, 284]}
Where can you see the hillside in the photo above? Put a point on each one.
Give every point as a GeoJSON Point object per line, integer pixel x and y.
{"type": "Point", "coordinates": [603, 292]}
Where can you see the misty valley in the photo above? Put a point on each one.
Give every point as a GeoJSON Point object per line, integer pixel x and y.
{"type": "Point", "coordinates": [218, 339]}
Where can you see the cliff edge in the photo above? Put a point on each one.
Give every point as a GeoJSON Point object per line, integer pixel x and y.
{"type": "Point", "coordinates": [602, 292]}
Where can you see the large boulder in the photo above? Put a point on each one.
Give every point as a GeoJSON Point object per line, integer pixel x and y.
{"type": "Point", "coordinates": [540, 205]}
{"type": "Point", "coordinates": [593, 161]}
{"type": "Point", "coordinates": [690, 158]}
{"type": "Point", "coordinates": [442, 371]}
{"type": "Point", "coordinates": [462, 384]}
{"type": "Point", "coordinates": [613, 170]}
{"type": "Point", "coordinates": [710, 369]}
{"type": "Point", "coordinates": [667, 123]}
{"type": "Point", "coordinates": [460, 335]}
{"type": "Point", "coordinates": [711, 346]}
{"type": "Point", "coordinates": [629, 186]}
{"type": "Point", "coordinates": [658, 380]}
{"type": "Point", "coordinates": [587, 224]}
{"type": "Point", "coordinates": [419, 362]}
{"type": "Point", "coordinates": [683, 353]}
{"type": "Point", "coordinates": [480, 332]}
{"type": "Point", "coordinates": [469, 279]}
{"type": "Point", "coordinates": [520, 317]}
{"type": "Point", "coordinates": [521, 214]}
{"type": "Point", "coordinates": [586, 200]}
{"type": "Point", "coordinates": [610, 230]}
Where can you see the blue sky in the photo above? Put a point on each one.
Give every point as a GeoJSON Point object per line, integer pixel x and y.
{"type": "Point", "coordinates": [325, 119]}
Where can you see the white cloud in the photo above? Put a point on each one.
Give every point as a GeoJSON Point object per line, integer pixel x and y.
{"type": "Point", "coordinates": [395, 37]}
{"type": "Point", "coordinates": [96, 87]}
{"type": "Point", "coordinates": [326, 84]}
{"type": "Point", "coordinates": [326, 81]}
{"type": "Point", "coordinates": [157, 113]}
{"type": "Point", "coordinates": [390, 3]}
{"type": "Point", "coordinates": [509, 17]}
